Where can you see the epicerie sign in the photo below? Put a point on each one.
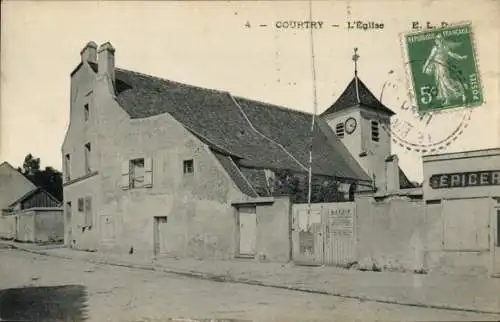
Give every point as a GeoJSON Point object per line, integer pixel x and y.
{"type": "Point", "coordinates": [465, 179]}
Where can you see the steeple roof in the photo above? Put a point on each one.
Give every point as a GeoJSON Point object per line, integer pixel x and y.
{"type": "Point", "coordinates": [357, 94]}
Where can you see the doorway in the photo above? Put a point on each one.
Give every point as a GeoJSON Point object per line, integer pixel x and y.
{"type": "Point", "coordinates": [496, 235]}
{"type": "Point", "coordinates": [69, 228]}
{"type": "Point", "coordinates": [160, 235]}
{"type": "Point", "coordinates": [248, 231]}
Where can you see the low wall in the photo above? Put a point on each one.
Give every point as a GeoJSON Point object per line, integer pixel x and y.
{"type": "Point", "coordinates": [34, 225]}
{"type": "Point", "coordinates": [49, 225]}
{"type": "Point", "coordinates": [7, 226]}
{"type": "Point", "coordinates": [273, 238]}
{"type": "Point", "coordinates": [459, 235]}
{"type": "Point", "coordinates": [26, 225]}
{"type": "Point", "coordinates": [391, 234]}
{"type": "Point", "coordinates": [273, 226]}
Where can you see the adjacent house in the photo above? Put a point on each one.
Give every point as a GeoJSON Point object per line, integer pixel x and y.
{"type": "Point", "coordinates": [28, 213]}
{"type": "Point", "coordinates": [153, 166]}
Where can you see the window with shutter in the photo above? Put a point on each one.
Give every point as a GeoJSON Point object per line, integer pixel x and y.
{"type": "Point", "coordinates": [125, 179]}
{"type": "Point", "coordinates": [137, 172]}
{"type": "Point", "coordinates": [80, 205]}
{"type": "Point", "coordinates": [87, 158]}
{"type": "Point", "coordinates": [375, 131]}
{"type": "Point", "coordinates": [88, 212]}
{"type": "Point", "coordinates": [67, 167]}
{"type": "Point", "coordinates": [148, 172]}
{"type": "Point", "coordinates": [339, 130]}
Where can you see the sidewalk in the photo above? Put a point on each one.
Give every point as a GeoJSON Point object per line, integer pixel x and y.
{"type": "Point", "coordinates": [474, 294]}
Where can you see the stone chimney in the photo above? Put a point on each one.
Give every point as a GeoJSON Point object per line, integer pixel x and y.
{"type": "Point", "coordinates": [392, 173]}
{"type": "Point", "coordinates": [106, 61]}
{"type": "Point", "coordinates": [89, 52]}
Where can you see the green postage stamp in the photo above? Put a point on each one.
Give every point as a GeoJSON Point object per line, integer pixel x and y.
{"type": "Point", "coordinates": [443, 67]}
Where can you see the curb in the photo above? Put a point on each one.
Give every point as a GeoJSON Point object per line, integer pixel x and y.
{"type": "Point", "coordinates": [236, 280]}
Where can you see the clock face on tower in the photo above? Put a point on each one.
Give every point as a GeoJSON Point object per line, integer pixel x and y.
{"type": "Point", "coordinates": [350, 125]}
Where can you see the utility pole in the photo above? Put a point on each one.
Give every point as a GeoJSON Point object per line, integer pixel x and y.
{"type": "Point", "coordinates": [315, 104]}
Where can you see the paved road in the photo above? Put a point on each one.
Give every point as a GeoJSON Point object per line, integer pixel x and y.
{"type": "Point", "coordinates": [41, 288]}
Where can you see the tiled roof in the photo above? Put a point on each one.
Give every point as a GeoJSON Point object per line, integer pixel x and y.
{"type": "Point", "coordinates": [236, 175]}
{"type": "Point", "coordinates": [404, 182]}
{"type": "Point", "coordinates": [257, 135]}
{"type": "Point", "coordinates": [349, 98]}
{"type": "Point", "coordinates": [257, 179]}
{"type": "Point", "coordinates": [49, 199]}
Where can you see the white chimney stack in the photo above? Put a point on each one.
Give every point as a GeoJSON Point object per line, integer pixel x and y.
{"type": "Point", "coordinates": [106, 61]}
{"type": "Point", "coordinates": [89, 52]}
{"type": "Point", "coordinates": [392, 173]}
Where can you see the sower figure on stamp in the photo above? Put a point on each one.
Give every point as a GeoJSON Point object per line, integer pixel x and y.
{"type": "Point", "coordinates": [448, 88]}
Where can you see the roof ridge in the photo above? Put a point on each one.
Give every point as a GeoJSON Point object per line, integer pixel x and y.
{"type": "Point", "coordinates": [285, 108]}
{"type": "Point", "coordinates": [288, 109]}
{"type": "Point", "coordinates": [171, 81]}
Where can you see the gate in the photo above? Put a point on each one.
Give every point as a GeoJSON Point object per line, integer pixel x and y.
{"type": "Point", "coordinates": [325, 235]}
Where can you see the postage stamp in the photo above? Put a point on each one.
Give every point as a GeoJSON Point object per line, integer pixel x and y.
{"type": "Point", "coordinates": [443, 68]}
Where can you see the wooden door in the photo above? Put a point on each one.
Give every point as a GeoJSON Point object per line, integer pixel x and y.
{"type": "Point", "coordinates": [68, 225]}
{"type": "Point", "coordinates": [496, 235]}
{"type": "Point", "coordinates": [248, 231]}
{"type": "Point", "coordinates": [161, 236]}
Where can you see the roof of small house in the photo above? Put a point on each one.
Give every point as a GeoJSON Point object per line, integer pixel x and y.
{"type": "Point", "coordinates": [255, 135]}
{"type": "Point", "coordinates": [13, 184]}
{"type": "Point", "coordinates": [38, 197]}
{"type": "Point", "coordinates": [349, 98]}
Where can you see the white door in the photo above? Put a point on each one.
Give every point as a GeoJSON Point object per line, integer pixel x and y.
{"type": "Point", "coordinates": [163, 244]}
{"type": "Point", "coordinates": [69, 228]}
{"type": "Point", "coordinates": [496, 235]}
{"type": "Point", "coordinates": [248, 230]}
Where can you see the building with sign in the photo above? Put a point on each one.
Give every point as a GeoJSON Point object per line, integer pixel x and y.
{"type": "Point", "coordinates": [462, 195]}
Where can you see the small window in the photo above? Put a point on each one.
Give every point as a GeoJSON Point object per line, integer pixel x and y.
{"type": "Point", "coordinates": [87, 158]}
{"type": "Point", "coordinates": [137, 173]}
{"type": "Point", "coordinates": [339, 130]}
{"type": "Point", "coordinates": [81, 205]}
{"type": "Point", "coordinates": [86, 112]}
{"type": "Point", "coordinates": [67, 167]}
{"type": "Point", "coordinates": [188, 166]}
{"type": "Point", "coordinates": [375, 131]}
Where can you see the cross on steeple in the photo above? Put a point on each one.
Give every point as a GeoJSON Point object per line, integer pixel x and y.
{"type": "Point", "coordinates": [355, 58]}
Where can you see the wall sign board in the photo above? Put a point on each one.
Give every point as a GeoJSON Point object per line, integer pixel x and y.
{"type": "Point", "coordinates": [465, 179]}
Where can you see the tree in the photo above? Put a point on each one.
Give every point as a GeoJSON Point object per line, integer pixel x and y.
{"type": "Point", "coordinates": [295, 185]}
{"type": "Point", "coordinates": [48, 179]}
{"type": "Point", "coordinates": [31, 165]}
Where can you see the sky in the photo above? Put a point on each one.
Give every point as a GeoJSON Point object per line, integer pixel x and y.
{"type": "Point", "coordinates": [209, 44]}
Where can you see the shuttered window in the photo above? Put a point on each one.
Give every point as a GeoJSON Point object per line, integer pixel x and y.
{"type": "Point", "coordinates": [339, 130]}
{"type": "Point", "coordinates": [88, 212]}
{"type": "Point", "coordinates": [80, 205]}
{"type": "Point", "coordinates": [375, 131]}
{"type": "Point", "coordinates": [87, 158]}
{"type": "Point", "coordinates": [137, 173]}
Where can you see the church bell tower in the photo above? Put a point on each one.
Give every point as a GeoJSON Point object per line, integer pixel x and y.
{"type": "Point", "coordinates": [357, 117]}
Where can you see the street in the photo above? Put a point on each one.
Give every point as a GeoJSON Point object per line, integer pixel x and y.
{"type": "Point", "coordinates": [42, 288]}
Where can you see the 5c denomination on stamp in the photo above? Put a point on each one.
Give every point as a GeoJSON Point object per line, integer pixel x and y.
{"type": "Point", "coordinates": [443, 68]}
